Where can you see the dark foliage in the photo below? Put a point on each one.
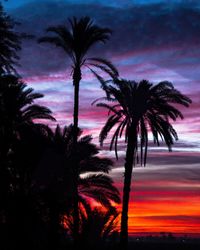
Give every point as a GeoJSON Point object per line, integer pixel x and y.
{"type": "Point", "coordinates": [10, 43]}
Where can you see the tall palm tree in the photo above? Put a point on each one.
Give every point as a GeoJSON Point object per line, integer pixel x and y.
{"type": "Point", "coordinates": [76, 41]}
{"type": "Point", "coordinates": [140, 108]}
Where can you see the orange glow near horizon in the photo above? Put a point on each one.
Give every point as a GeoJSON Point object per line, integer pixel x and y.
{"type": "Point", "coordinates": [163, 217]}
{"type": "Point", "coordinates": [167, 211]}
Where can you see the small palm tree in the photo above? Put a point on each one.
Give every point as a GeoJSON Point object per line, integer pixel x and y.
{"type": "Point", "coordinates": [93, 182]}
{"type": "Point", "coordinates": [76, 41]}
{"type": "Point", "coordinates": [96, 235]}
{"type": "Point", "coordinates": [139, 108]}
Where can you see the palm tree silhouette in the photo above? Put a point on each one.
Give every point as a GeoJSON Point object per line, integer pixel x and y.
{"type": "Point", "coordinates": [76, 40]}
{"type": "Point", "coordinates": [138, 108]}
{"type": "Point", "coordinates": [55, 171]}
{"type": "Point", "coordinates": [18, 113]}
{"type": "Point", "coordinates": [96, 235]}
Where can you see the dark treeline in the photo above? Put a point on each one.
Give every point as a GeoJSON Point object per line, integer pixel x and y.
{"type": "Point", "coordinates": [50, 179]}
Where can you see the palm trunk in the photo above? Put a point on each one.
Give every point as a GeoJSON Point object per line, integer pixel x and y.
{"type": "Point", "coordinates": [76, 82]}
{"type": "Point", "coordinates": [129, 161]}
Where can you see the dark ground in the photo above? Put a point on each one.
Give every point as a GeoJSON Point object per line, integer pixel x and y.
{"type": "Point", "coordinates": [164, 245]}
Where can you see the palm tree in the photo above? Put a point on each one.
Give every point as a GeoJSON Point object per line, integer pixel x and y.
{"type": "Point", "coordinates": [17, 109]}
{"type": "Point", "coordinates": [94, 235]}
{"type": "Point", "coordinates": [18, 113]}
{"type": "Point", "coordinates": [77, 40]}
{"type": "Point", "coordinates": [93, 181]}
{"type": "Point", "coordinates": [139, 108]}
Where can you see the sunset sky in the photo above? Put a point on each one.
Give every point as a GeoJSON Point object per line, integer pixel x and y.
{"type": "Point", "coordinates": [154, 40]}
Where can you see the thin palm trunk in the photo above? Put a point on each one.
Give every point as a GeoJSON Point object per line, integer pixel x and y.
{"type": "Point", "coordinates": [129, 161]}
{"type": "Point", "coordinates": [76, 82]}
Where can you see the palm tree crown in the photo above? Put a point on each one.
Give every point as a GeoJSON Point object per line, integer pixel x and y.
{"type": "Point", "coordinates": [78, 39]}
{"type": "Point", "coordinates": [145, 106]}
{"type": "Point", "coordinates": [93, 181]}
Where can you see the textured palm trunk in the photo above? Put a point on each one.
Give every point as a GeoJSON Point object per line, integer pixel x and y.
{"type": "Point", "coordinates": [129, 161]}
{"type": "Point", "coordinates": [76, 82]}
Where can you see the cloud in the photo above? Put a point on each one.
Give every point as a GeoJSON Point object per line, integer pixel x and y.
{"type": "Point", "coordinates": [158, 45]}
{"type": "Point", "coordinates": [141, 29]}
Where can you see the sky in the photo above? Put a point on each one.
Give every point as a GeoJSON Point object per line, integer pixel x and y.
{"type": "Point", "coordinates": [154, 40]}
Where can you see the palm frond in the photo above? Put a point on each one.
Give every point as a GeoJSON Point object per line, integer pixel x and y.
{"type": "Point", "coordinates": [104, 65]}
{"type": "Point", "coordinates": [36, 112]}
